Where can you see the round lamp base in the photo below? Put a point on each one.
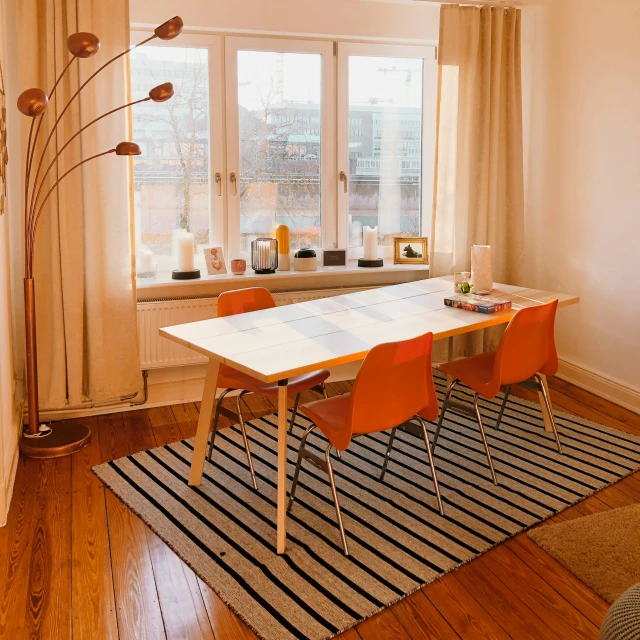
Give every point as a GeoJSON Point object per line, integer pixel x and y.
{"type": "Point", "coordinates": [58, 439]}
{"type": "Point", "coordinates": [378, 262]}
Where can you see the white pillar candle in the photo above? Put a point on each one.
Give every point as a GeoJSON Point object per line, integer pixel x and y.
{"type": "Point", "coordinates": [144, 260]}
{"type": "Point", "coordinates": [185, 252]}
{"type": "Point", "coordinates": [370, 243]}
{"type": "Point", "coordinates": [481, 275]}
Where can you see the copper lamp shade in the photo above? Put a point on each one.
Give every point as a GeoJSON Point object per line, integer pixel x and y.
{"type": "Point", "coordinates": [128, 149]}
{"type": "Point", "coordinates": [32, 102]}
{"type": "Point", "coordinates": [83, 44]}
{"type": "Point", "coordinates": [170, 29]}
{"type": "Point", "coordinates": [162, 92]}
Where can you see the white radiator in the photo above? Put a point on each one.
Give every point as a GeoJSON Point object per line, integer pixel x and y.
{"type": "Point", "coordinates": [157, 352]}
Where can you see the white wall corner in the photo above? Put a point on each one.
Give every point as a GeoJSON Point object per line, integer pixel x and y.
{"type": "Point", "coordinates": [6, 493]}
{"type": "Point", "coordinates": [611, 390]}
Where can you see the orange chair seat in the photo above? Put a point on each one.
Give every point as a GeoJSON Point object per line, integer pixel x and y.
{"type": "Point", "coordinates": [475, 372]}
{"type": "Point", "coordinates": [330, 416]}
{"type": "Point", "coordinates": [230, 378]}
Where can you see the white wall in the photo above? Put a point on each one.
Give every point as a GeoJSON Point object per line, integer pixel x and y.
{"type": "Point", "coordinates": [581, 65]}
{"type": "Point", "coordinates": [10, 415]}
{"type": "Point", "coordinates": [416, 21]}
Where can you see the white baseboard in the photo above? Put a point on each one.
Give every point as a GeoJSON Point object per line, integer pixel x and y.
{"type": "Point", "coordinates": [611, 390]}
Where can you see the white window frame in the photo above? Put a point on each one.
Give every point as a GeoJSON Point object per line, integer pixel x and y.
{"type": "Point", "coordinates": [234, 44]}
{"type": "Point", "coordinates": [429, 96]}
{"type": "Point", "coordinates": [217, 150]}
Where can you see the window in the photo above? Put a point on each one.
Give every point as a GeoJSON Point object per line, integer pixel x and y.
{"type": "Point", "coordinates": [390, 90]}
{"type": "Point", "coordinates": [172, 176]}
{"type": "Point", "coordinates": [249, 142]}
{"type": "Point", "coordinates": [279, 164]}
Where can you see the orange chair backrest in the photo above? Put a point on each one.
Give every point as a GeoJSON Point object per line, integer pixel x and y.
{"type": "Point", "coordinates": [528, 346]}
{"type": "Point", "coordinates": [394, 383]}
{"type": "Point", "coordinates": [231, 303]}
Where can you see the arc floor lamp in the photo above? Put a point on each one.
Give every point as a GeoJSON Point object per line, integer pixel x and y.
{"type": "Point", "coordinates": [59, 439]}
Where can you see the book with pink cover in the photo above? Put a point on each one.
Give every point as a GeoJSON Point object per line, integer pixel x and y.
{"type": "Point", "coordinates": [480, 304]}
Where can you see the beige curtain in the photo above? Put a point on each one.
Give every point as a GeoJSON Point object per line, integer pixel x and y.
{"type": "Point", "coordinates": [479, 192]}
{"type": "Point", "coordinates": [85, 291]}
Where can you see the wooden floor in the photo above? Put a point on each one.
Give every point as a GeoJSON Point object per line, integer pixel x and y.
{"type": "Point", "coordinates": [75, 562]}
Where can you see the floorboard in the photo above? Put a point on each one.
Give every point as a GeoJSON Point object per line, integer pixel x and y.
{"type": "Point", "coordinates": [80, 564]}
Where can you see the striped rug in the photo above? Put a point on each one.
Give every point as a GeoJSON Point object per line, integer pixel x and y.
{"type": "Point", "coordinates": [398, 541]}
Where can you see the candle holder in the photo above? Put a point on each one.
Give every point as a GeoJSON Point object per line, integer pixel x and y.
{"type": "Point", "coordinates": [185, 249]}
{"type": "Point", "coordinates": [194, 274]}
{"type": "Point", "coordinates": [149, 274]}
{"type": "Point", "coordinates": [377, 262]}
{"type": "Point", "coordinates": [264, 255]}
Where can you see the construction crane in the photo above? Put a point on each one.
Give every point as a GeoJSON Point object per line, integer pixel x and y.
{"type": "Point", "coordinates": [386, 70]}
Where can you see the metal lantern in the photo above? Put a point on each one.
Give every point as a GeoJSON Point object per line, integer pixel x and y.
{"type": "Point", "coordinates": [264, 255]}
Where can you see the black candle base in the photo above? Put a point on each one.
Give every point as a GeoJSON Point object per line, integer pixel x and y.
{"type": "Point", "coordinates": [185, 275]}
{"type": "Point", "coordinates": [378, 262]}
{"type": "Point", "coordinates": [262, 271]}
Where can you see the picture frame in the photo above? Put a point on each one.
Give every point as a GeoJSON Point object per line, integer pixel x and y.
{"type": "Point", "coordinates": [417, 248]}
{"type": "Point", "coordinates": [214, 259]}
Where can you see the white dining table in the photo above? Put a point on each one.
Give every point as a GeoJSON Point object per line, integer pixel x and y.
{"type": "Point", "coordinates": [276, 344]}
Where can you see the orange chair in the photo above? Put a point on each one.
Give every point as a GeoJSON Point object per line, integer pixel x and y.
{"type": "Point", "coordinates": [243, 301]}
{"type": "Point", "coordinates": [389, 390]}
{"type": "Point", "coordinates": [527, 349]}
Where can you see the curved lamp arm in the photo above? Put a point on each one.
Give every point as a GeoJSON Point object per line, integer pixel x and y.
{"type": "Point", "coordinates": [80, 45]}
{"type": "Point", "coordinates": [161, 93]}
{"type": "Point", "coordinates": [166, 31]}
{"type": "Point", "coordinates": [123, 149]}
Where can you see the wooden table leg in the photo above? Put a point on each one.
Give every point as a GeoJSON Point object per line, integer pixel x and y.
{"type": "Point", "coordinates": [545, 414]}
{"type": "Point", "coordinates": [204, 422]}
{"type": "Point", "coordinates": [282, 466]}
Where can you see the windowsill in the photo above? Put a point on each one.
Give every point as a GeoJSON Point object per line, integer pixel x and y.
{"type": "Point", "coordinates": [164, 287]}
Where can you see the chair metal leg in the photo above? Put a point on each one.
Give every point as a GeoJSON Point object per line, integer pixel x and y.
{"type": "Point", "coordinates": [504, 404]}
{"type": "Point", "coordinates": [442, 412]}
{"type": "Point", "coordinates": [336, 503]}
{"type": "Point", "coordinates": [547, 402]}
{"type": "Point", "coordinates": [294, 413]}
{"type": "Point", "coordinates": [215, 422]}
{"type": "Point", "coordinates": [294, 484]}
{"type": "Point", "coordinates": [392, 437]}
{"type": "Point", "coordinates": [246, 441]}
{"type": "Point", "coordinates": [484, 439]}
{"type": "Point", "coordinates": [326, 397]}
{"type": "Point", "coordinates": [425, 435]}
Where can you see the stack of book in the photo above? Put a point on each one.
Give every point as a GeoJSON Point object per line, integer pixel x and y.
{"type": "Point", "coordinates": [481, 304]}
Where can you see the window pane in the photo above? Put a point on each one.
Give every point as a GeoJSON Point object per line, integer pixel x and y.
{"type": "Point", "coordinates": [280, 127]}
{"type": "Point", "coordinates": [172, 174]}
{"type": "Point", "coordinates": [385, 142]}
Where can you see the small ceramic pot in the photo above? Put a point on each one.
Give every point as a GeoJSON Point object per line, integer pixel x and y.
{"type": "Point", "coordinates": [238, 266]}
{"type": "Point", "coordinates": [305, 260]}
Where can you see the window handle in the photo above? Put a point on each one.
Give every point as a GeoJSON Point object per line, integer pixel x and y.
{"type": "Point", "coordinates": [219, 183]}
{"type": "Point", "coordinates": [343, 178]}
{"type": "Point", "coordinates": [232, 177]}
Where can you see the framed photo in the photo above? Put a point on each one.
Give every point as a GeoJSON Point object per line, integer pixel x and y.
{"type": "Point", "coordinates": [214, 259]}
{"type": "Point", "coordinates": [411, 251]}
